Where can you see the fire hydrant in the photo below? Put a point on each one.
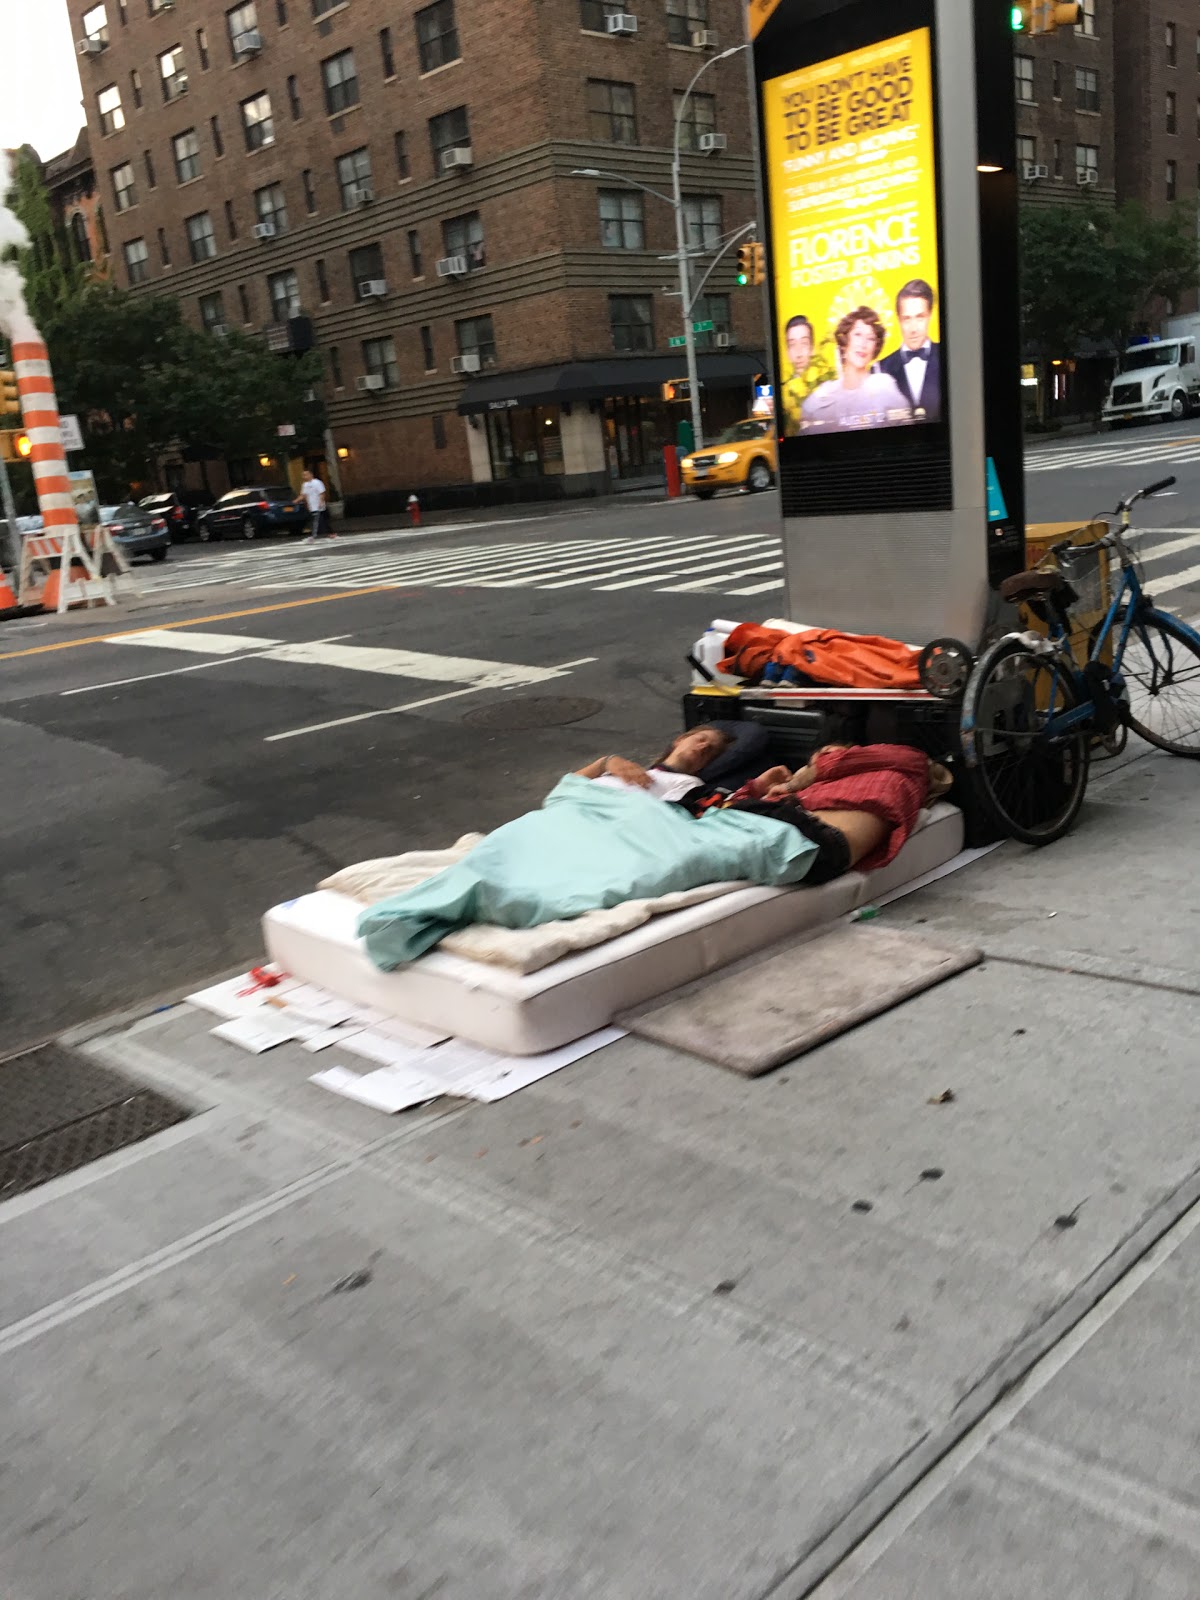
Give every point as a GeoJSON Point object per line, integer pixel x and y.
{"type": "Point", "coordinates": [414, 511]}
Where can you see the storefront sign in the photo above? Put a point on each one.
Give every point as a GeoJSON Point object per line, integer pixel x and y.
{"type": "Point", "coordinates": [850, 168]}
{"type": "Point", "coordinates": [502, 405]}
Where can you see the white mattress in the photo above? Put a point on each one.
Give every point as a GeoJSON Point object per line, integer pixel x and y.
{"type": "Point", "coordinates": [525, 1013]}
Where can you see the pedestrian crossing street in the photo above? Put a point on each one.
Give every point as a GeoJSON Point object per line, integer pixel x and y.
{"type": "Point", "coordinates": [1142, 450]}
{"type": "Point", "coordinates": [744, 565]}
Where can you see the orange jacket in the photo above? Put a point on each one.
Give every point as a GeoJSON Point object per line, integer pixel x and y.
{"type": "Point", "coordinates": [841, 660]}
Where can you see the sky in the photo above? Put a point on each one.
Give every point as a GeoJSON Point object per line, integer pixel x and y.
{"type": "Point", "coordinates": [40, 103]}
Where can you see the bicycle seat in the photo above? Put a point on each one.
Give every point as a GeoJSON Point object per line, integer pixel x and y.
{"type": "Point", "coordinates": [1029, 585]}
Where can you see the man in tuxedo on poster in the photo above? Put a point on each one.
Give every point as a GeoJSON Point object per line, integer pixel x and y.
{"type": "Point", "coordinates": [917, 365]}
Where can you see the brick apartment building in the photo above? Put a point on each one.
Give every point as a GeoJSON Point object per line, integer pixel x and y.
{"type": "Point", "coordinates": [75, 202]}
{"type": "Point", "coordinates": [483, 316]}
{"type": "Point", "coordinates": [1066, 124]}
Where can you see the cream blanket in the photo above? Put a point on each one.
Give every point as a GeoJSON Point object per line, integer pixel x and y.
{"type": "Point", "coordinates": [519, 949]}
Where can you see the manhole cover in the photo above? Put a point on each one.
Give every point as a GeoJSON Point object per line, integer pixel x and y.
{"type": "Point", "coordinates": [60, 1111]}
{"type": "Point", "coordinates": [536, 711]}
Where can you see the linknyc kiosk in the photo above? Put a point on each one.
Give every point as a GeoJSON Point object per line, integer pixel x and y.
{"type": "Point", "coordinates": [887, 145]}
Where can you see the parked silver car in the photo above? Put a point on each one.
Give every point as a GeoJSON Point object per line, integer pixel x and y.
{"type": "Point", "coordinates": [136, 531]}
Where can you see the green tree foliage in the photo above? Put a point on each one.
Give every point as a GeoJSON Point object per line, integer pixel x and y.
{"type": "Point", "coordinates": [1102, 273]}
{"type": "Point", "coordinates": [54, 277]}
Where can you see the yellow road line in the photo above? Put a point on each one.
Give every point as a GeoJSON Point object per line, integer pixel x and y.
{"type": "Point", "coordinates": [198, 622]}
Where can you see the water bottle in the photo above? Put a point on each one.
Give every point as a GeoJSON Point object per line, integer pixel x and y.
{"type": "Point", "coordinates": [710, 651]}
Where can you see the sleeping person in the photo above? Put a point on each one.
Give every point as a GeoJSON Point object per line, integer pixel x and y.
{"type": "Point", "coordinates": [674, 776]}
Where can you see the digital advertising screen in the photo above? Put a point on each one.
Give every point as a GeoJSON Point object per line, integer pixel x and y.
{"type": "Point", "coordinates": [850, 166]}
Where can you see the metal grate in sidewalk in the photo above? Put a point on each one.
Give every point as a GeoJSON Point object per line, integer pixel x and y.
{"type": "Point", "coordinates": [59, 1111]}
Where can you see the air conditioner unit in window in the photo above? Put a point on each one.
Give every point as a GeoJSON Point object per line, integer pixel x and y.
{"type": "Point", "coordinates": [372, 289]}
{"type": "Point", "coordinates": [218, 329]}
{"type": "Point", "coordinates": [467, 363]}
{"type": "Point", "coordinates": [249, 43]}
{"type": "Point", "coordinates": [263, 230]}
{"type": "Point", "coordinates": [362, 196]}
{"type": "Point", "coordinates": [710, 143]}
{"type": "Point", "coordinates": [452, 267]}
{"type": "Point", "coordinates": [90, 47]}
{"type": "Point", "coordinates": [459, 159]}
{"type": "Point", "coordinates": [722, 341]}
{"type": "Point", "coordinates": [1086, 175]}
{"type": "Point", "coordinates": [368, 385]}
{"type": "Point", "coordinates": [1034, 171]}
{"type": "Point", "coordinates": [179, 84]}
{"type": "Point", "coordinates": [705, 39]}
{"type": "Point", "coordinates": [620, 22]}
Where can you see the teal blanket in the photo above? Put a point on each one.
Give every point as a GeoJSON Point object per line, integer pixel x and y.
{"type": "Point", "coordinates": [588, 848]}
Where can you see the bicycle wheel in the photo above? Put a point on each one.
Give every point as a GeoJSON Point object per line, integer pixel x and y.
{"type": "Point", "coordinates": [1031, 782]}
{"type": "Point", "coordinates": [1161, 668]}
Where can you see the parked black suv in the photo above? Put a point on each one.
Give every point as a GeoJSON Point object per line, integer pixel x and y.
{"type": "Point", "coordinates": [180, 509]}
{"type": "Point", "coordinates": [245, 513]}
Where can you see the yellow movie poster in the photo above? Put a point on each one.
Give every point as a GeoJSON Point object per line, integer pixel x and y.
{"type": "Point", "coordinates": [850, 162]}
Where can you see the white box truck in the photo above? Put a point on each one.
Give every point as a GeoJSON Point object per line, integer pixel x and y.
{"type": "Point", "coordinates": [1157, 379]}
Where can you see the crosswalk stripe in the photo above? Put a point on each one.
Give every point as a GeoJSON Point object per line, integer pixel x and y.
{"type": "Point", "coordinates": [718, 549]}
{"type": "Point", "coordinates": [758, 588]}
{"type": "Point", "coordinates": [725, 577]}
{"type": "Point", "coordinates": [676, 570]}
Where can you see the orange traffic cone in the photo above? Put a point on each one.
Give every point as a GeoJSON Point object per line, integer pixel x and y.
{"type": "Point", "coordinates": [8, 599]}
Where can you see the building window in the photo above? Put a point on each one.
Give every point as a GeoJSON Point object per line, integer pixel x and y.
{"type": "Point", "coordinates": [335, 367]}
{"type": "Point", "coordinates": [322, 281]}
{"type": "Point", "coordinates": [124, 188]}
{"type": "Point", "coordinates": [212, 311]}
{"type": "Point", "coordinates": [684, 18]}
{"type": "Point", "coordinates": [320, 7]}
{"type": "Point", "coordinates": [463, 236]}
{"type": "Point", "coordinates": [293, 97]}
{"type": "Point", "coordinates": [475, 337]}
{"type": "Point", "coordinates": [284, 290]}
{"type": "Point", "coordinates": [1026, 151]}
{"type": "Point", "coordinates": [79, 237]}
{"type": "Point", "coordinates": [697, 117]}
{"type": "Point", "coordinates": [400, 144]}
{"type": "Point", "coordinates": [439, 431]}
{"type": "Point", "coordinates": [354, 177]}
{"type": "Point", "coordinates": [450, 131]}
{"type": "Point", "coordinates": [1171, 45]}
{"type": "Point", "coordinates": [1024, 70]}
{"type": "Point", "coordinates": [244, 303]}
{"type": "Point", "coordinates": [702, 221]}
{"type": "Point", "coordinates": [257, 123]}
{"type": "Point", "coordinates": [340, 78]}
{"type": "Point", "coordinates": [621, 220]}
{"type": "Point", "coordinates": [612, 111]}
{"type": "Point", "coordinates": [1058, 164]}
{"type": "Point", "coordinates": [135, 88]}
{"type": "Point", "coordinates": [379, 359]}
{"type": "Point", "coordinates": [164, 252]}
{"type": "Point", "coordinates": [171, 70]}
{"type": "Point", "coordinates": [437, 37]}
{"type": "Point", "coordinates": [95, 24]}
{"type": "Point", "coordinates": [414, 253]}
{"type": "Point", "coordinates": [366, 266]}
{"type": "Point", "coordinates": [712, 308]}
{"type": "Point", "coordinates": [1056, 80]}
{"type": "Point", "coordinates": [1087, 89]}
{"type": "Point", "coordinates": [1171, 180]}
{"type": "Point", "coordinates": [631, 318]}
{"type": "Point", "coordinates": [594, 14]}
{"type": "Point", "coordinates": [108, 103]}
{"type": "Point", "coordinates": [218, 143]}
{"type": "Point", "coordinates": [281, 13]}
{"type": "Point", "coordinates": [186, 147]}
{"type": "Point", "coordinates": [427, 347]}
{"type": "Point", "coordinates": [386, 55]}
{"type": "Point", "coordinates": [202, 241]}
{"type": "Point", "coordinates": [230, 220]}
{"type": "Point", "coordinates": [1172, 119]}
{"type": "Point", "coordinates": [270, 205]}
{"type": "Point", "coordinates": [310, 194]}
{"type": "Point", "coordinates": [151, 180]}
{"type": "Point", "coordinates": [1087, 162]}
{"type": "Point", "coordinates": [1087, 22]}
{"type": "Point", "coordinates": [241, 20]}
{"type": "Point", "coordinates": [137, 260]}
{"type": "Point", "coordinates": [202, 48]}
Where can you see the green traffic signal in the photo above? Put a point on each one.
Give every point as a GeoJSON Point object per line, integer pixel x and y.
{"type": "Point", "coordinates": [743, 280]}
{"type": "Point", "coordinates": [1017, 18]}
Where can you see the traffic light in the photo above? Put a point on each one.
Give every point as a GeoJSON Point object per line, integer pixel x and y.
{"type": "Point", "coordinates": [752, 264]}
{"type": "Point", "coordinates": [15, 444]}
{"type": "Point", "coordinates": [1045, 16]}
{"type": "Point", "coordinates": [10, 398]}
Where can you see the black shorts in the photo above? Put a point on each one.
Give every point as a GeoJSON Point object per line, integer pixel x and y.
{"type": "Point", "coordinates": [833, 849]}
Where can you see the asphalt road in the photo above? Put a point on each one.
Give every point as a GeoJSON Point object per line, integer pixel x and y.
{"type": "Point", "coordinates": [304, 707]}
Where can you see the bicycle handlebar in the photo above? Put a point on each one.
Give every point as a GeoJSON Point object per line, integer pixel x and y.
{"type": "Point", "coordinates": [1157, 488]}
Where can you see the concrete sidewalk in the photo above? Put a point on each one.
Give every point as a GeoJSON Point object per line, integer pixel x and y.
{"type": "Point", "coordinates": [649, 1331]}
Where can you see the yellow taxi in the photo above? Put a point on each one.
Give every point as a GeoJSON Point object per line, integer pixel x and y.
{"type": "Point", "coordinates": [742, 458]}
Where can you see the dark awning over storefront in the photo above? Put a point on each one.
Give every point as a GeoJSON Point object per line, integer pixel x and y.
{"type": "Point", "coordinates": [594, 380]}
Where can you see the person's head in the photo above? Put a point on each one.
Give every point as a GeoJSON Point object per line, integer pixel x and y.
{"type": "Point", "coordinates": [860, 335]}
{"type": "Point", "coordinates": [798, 336]}
{"type": "Point", "coordinates": [691, 752]}
{"type": "Point", "coordinates": [308, 477]}
{"type": "Point", "coordinates": [914, 307]}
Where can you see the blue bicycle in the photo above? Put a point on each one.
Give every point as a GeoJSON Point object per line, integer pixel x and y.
{"type": "Point", "coordinates": [1036, 704]}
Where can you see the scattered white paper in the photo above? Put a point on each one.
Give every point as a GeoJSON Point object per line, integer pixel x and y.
{"type": "Point", "coordinates": [255, 1033]}
{"type": "Point", "coordinates": [509, 1073]}
{"type": "Point", "coordinates": [341, 1035]}
{"type": "Point", "coordinates": [314, 1005]}
{"type": "Point", "coordinates": [388, 1089]}
{"type": "Point", "coordinates": [227, 999]}
{"type": "Point", "coordinates": [408, 1032]}
{"type": "Point", "coordinates": [379, 1047]}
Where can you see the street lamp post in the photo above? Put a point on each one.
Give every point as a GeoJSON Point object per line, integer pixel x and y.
{"type": "Point", "coordinates": [675, 201]}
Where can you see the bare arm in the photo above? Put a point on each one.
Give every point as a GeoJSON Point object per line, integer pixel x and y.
{"type": "Point", "coordinates": [617, 767]}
